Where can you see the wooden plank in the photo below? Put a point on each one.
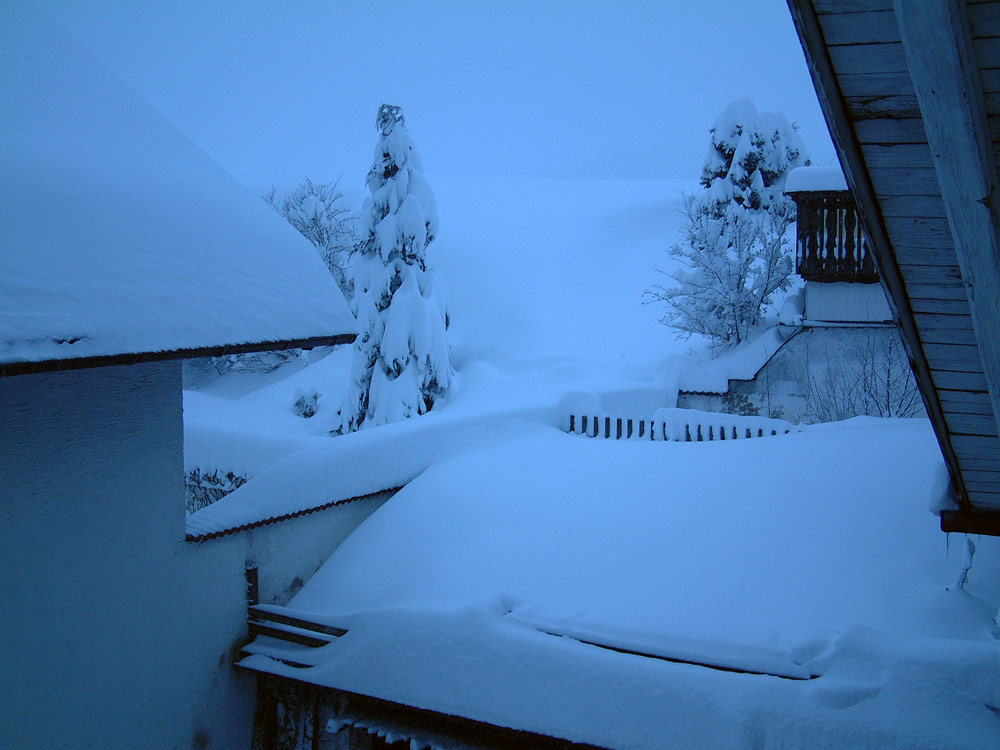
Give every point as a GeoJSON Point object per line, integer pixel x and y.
{"type": "Point", "coordinates": [963, 336]}
{"type": "Point", "coordinates": [883, 107]}
{"type": "Point", "coordinates": [962, 409]}
{"type": "Point", "coordinates": [992, 102]}
{"type": "Point", "coordinates": [851, 6]}
{"type": "Point", "coordinates": [914, 181]}
{"type": "Point", "coordinates": [972, 399]}
{"type": "Point", "coordinates": [866, 27]}
{"type": "Point", "coordinates": [959, 381]}
{"type": "Point", "coordinates": [284, 634]}
{"type": "Point", "coordinates": [928, 321]}
{"type": "Point", "coordinates": [984, 20]}
{"type": "Point", "coordinates": [898, 156]}
{"type": "Point", "coordinates": [958, 357]}
{"type": "Point", "coordinates": [983, 485]}
{"type": "Point", "coordinates": [986, 502]}
{"type": "Point", "coordinates": [868, 58]}
{"type": "Point", "coordinates": [976, 446]}
{"type": "Point", "coordinates": [926, 256]}
{"type": "Point", "coordinates": [945, 76]}
{"type": "Point", "coordinates": [981, 463]}
{"type": "Point", "coordinates": [952, 292]}
{"type": "Point", "coordinates": [987, 52]}
{"type": "Point", "coordinates": [284, 618]}
{"type": "Point", "coordinates": [971, 424]}
{"type": "Point", "coordinates": [934, 275]}
{"type": "Point", "coordinates": [920, 231]}
{"type": "Point", "coordinates": [917, 206]}
{"type": "Point", "coordinates": [824, 65]}
{"type": "Point", "coordinates": [994, 126]}
{"type": "Point", "coordinates": [981, 478]}
{"type": "Point", "coordinates": [942, 306]}
{"type": "Point", "coordinates": [891, 130]}
{"type": "Point", "coordinates": [886, 84]}
{"type": "Point", "coordinates": [991, 80]}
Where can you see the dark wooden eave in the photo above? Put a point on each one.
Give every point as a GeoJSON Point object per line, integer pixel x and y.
{"type": "Point", "coordinates": [78, 363]}
{"type": "Point", "coordinates": [911, 92]}
{"type": "Point", "coordinates": [425, 725]}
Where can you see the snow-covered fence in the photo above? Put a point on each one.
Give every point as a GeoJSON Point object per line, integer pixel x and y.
{"type": "Point", "coordinates": [689, 425]}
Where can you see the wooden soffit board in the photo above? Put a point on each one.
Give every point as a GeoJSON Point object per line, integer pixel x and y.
{"type": "Point", "coordinates": [901, 86]}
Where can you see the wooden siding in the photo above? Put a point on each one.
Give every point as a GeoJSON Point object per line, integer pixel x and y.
{"type": "Point", "coordinates": [858, 60]}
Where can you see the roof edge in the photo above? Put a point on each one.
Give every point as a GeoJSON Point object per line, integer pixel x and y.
{"type": "Point", "coordinates": [133, 358]}
{"type": "Point", "coordinates": [426, 725]}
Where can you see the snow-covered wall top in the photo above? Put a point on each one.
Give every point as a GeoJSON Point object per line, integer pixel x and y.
{"type": "Point", "coordinates": [118, 235]}
{"type": "Point", "coordinates": [810, 179]}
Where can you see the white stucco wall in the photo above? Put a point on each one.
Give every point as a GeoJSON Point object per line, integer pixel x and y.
{"type": "Point", "coordinates": [843, 302]}
{"type": "Point", "coordinates": [287, 553]}
{"type": "Point", "coordinates": [115, 632]}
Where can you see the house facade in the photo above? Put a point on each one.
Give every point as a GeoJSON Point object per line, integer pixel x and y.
{"type": "Point", "coordinates": [125, 249]}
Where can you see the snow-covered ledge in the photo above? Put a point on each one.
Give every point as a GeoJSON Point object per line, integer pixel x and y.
{"type": "Point", "coordinates": [815, 180]}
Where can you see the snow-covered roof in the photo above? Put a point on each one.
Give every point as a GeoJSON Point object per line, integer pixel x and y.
{"type": "Point", "coordinates": [815, 179]}
{"type": "Point", "coordinates": [742, 362]}
{"type": "Point", "coordinates": [119, 237]}
{"type": "Point", "coordinates": [487, 586]}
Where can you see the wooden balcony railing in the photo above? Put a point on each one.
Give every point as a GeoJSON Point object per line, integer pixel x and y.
{"type": "Point", "coordinates": [830, 240]}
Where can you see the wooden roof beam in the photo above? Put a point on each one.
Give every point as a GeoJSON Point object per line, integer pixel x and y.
{"type": "Point", "coordinates": [937, 43]}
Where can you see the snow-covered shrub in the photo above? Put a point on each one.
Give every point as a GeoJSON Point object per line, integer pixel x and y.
{"type": "Point", "coordinates": [736, 247]}
{"type": "Point", "coordinates": [316, 209]}
{"type": "Point", "coordinates": [401, 362]}
{"type": "Point", "coordinates": [203, 489]}
{"type": "Point", "coordinates": [305, 403]}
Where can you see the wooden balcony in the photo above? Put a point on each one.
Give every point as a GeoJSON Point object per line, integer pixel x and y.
{"type": "Point", "coordinates": [830, 241]}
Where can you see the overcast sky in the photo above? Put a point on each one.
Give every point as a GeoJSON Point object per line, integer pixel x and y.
{"type": "Point", "coordinates": [625, 89]}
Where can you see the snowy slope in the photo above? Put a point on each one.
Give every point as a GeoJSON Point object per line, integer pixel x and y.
{"type": "Point", "coordinates": [811, 554]}
{"type": "Point", "coordinates": [118, 235]}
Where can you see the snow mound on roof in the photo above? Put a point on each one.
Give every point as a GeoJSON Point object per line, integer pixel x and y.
{"type": "Point", "coordinates": [118, 235]}
{"type": "Point", "coordinates": [809, 179]}
{"type": "Point", "coordinates": [810, 554]}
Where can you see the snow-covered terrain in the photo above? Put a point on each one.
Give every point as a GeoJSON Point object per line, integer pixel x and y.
{"type": "Point", "coordinates": [499, 582]}
{"type": "Point", "coordinates": [544, 284]}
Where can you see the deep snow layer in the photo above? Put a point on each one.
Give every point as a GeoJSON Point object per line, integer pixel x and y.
{"type": "Point", "coordinates": [119, 235]}
{"type": "Point", "coordinates": [809, 554]}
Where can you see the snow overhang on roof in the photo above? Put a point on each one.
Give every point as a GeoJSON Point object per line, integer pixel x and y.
{"type": "Point", "coordinates": [815, 180]}
{"type": "Point", "coordinates": [120, 240]}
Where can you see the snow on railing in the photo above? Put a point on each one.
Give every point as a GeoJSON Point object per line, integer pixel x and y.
{"type": "Point", "coordinates": [689, 425]}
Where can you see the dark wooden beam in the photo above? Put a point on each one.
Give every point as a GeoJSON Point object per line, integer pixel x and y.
{"type": "Point", "coordinates": [938, 47]}
{"type": "Point", "coordinates": [852, 160]}
{"type": "Point", "coordinates": [956, 521]}
{"type": "Point", "coordinates": [365, 711]}
{"type": "Point", "coordinates": [80, 363]}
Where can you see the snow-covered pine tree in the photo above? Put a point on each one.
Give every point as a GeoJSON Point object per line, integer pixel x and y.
{"type": "Point", "coordinates": [736, 249]}
{"type": "Point", "coordinates": [401, 363]}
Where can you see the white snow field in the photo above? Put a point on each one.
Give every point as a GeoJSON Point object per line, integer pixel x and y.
{"type": "Point", "coordinates": [544, 283]}
{"type": "Point", "coordinates": [808, 562]}
{"type": "Point", "coordinates": [481, 587]}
